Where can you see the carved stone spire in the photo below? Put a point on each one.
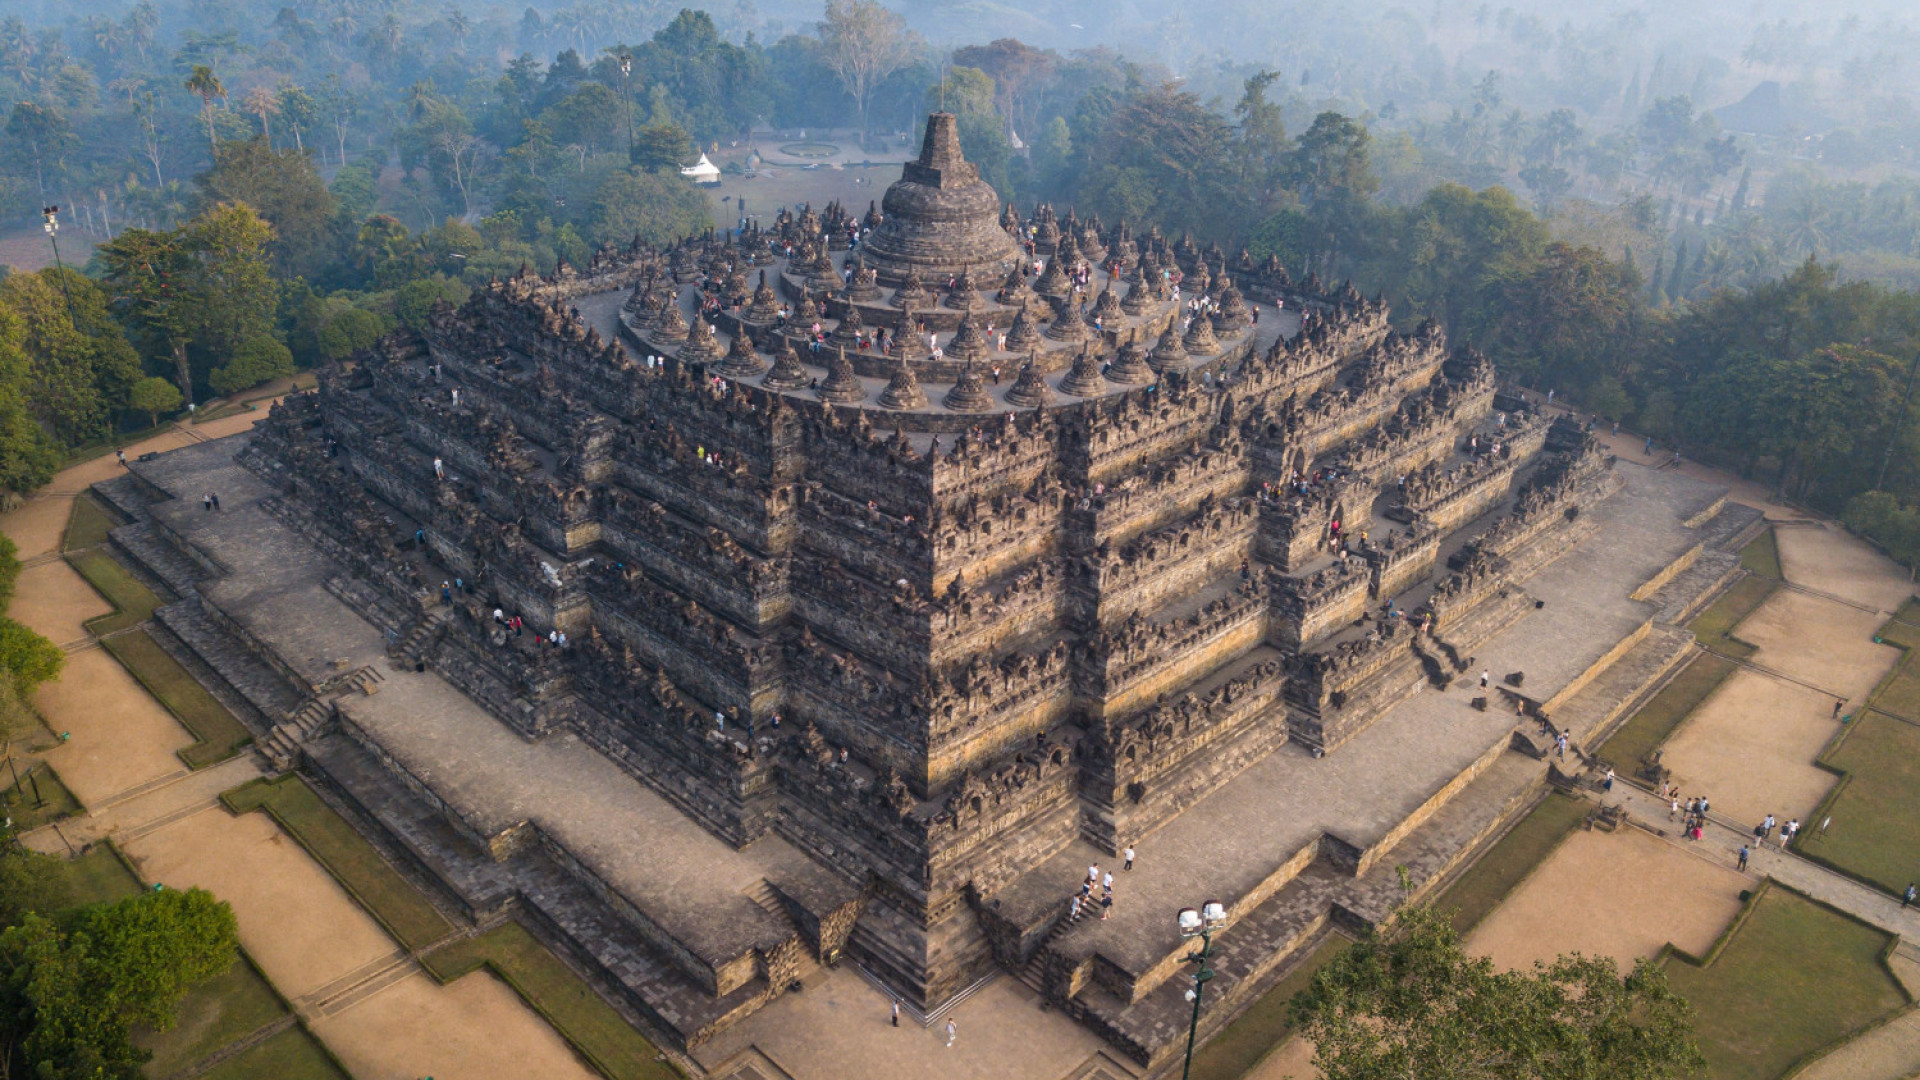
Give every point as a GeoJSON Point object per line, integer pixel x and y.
{"type": "Point", "coordinates": [1029, 391]}
{"type": "Point", "coordinates": [1200, 340]}
{"type": "Point", "coordinates": [907, 344]}
{"type": "Point", "coordinates": [701, 346]}
{"type": "Point", "coordinates": [904, 391]}
{"type": "Point", "coordinates": [787, 374]}
{"type": "Point", "coordinates": [841, 385]}
{"type": "Point", "coordinates": [1068, 325]}
{"type": "Point", "coordinates": [1084, 380]}
{"type": "Point", "coordinates": [847, 334]}
{"type": "Point", "coordinates": [1169, 353]}
{"type": "Point", "coordinates": [1024, 334]}
{"type": "Point", "coordinates": [910, 293]}
{"type": "Point", "coordinates": [671, 326]}
{"type": "Point", "coordinates": [969, 343]}
{"type": "Point", "coordinates": [1130, 367]}
{"type": "Point", "coordinates": [969, 394]}
{"type": "Point", "coordinates": [741, 362]}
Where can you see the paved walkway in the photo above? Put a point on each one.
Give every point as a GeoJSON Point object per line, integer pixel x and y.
{"type": "Point", "coordinates": [1721, 843]}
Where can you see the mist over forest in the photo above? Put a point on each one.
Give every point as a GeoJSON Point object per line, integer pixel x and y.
{"type": "Point", "coordinates": [1701, 220]}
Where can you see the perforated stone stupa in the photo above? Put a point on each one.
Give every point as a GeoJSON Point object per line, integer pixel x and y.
{"type": "Point", "coordinates": [725, 639]}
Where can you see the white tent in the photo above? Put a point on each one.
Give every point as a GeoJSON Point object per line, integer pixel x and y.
{"type": "Point", "coordinates": [702, 171]}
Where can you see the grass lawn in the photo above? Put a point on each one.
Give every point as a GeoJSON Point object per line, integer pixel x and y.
{"type": "Point", "coordinates": [589, 1024]}
{"type": "Point", "coordinates": [220, 734]}
{"type": "Point", "coordinates": [1263, 1027]}
{"type": "Point", "coordinates": [88, 525]}
{"type": "Point", "coordinates": [99, 874]}
{"type": "Point", "coordinates": [219, 1011]}
{"type": "Point", "coordinates": [1646, 729]}
{"type": "Point", "coordinates": [1899, 692]}
{"type": "Point", "coordinates": [1512, 857]}
{"type": "Point", "coordinates": [18, 801]}
{"type": "Point", "coordinates": [133, 602]}
{"type": "Point", "coordinates": [1762, 556]}
{"type": "Point", "coordinates": [1714, 626]}
{"type": "Point", "coordinates": [359, 868]}
{"type": "Point", "coordinates": [291, 1055]}
{"type": "Point", "coordinates": [1794, 978]}
{"type": "Point", "coordinates": [1875, 832]}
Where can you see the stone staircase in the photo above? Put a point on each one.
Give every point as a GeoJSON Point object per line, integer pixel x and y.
{"type": "Point", "coordinates": [769, 901]}
{"type": "Point", "coordinates": [413, 651]}
{"type": "Point", "coordinates": [282, 744]}
{"type": "Point", "coordinates": [1033, 973]}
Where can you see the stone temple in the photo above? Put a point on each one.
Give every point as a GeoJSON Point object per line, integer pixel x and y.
{"type": "Point", "coordinates": [869, 655]}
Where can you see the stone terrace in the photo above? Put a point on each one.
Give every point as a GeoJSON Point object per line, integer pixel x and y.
{"type": "Point", "coordinates": [1238, 840]}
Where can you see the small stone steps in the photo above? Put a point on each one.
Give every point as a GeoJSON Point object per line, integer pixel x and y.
{"type": "Point", "coordinates": [157, 557]}
{"type": "Point", "coordinates": [282, 744]}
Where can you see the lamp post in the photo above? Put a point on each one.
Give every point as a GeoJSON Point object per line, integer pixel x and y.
{"type": "Point", "coordinates": [51, 216]}
{"type": "Point", "coordinates": [626, 88]}
{"type": "Point", "coordinates": [1202, 924]}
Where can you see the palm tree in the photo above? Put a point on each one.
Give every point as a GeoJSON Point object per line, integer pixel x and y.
{"type": "Point", "coordinates": [459, 26]}
{"type": "Point", "coordinates": [208, 85]}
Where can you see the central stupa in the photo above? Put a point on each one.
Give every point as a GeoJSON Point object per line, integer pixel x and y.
{"type": "Point", "coordinates": [940, 217]}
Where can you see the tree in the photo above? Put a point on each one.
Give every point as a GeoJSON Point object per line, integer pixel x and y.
{"type": "Point", "coordinates": [297, 110]}
{"type": "Point", "coordinates": [286, 190]}
{"type": "Point", "coordinates": [79, 363]}
{"type": "Point", "coordinates": [257, 360]}
{"type": "Point", "coordinates": [153, 395]}
{"type": "Point", "coordinates": [1409, 1002]}
{"type": "Point", "coordinates": [45, 133]}
{"type": "Point", "coordinates": [28, 455]}
{"type": "Point", "coordinates": [864, 43]}
{"type": "Point", "coordinates": [262, 102]}
{"type": "Point", "coordinates": [26, 656]}
{"type": "Point", "coordinates": [233, 290]}
{"type": "Point", "coordinates": [657, 207]}
{"type": "Point", "coordinates": [590, 118]}
{"type": "Point", "coordinates": [1018, 71]}
{"type": "Point", "coordinates": [661, 146]}
{"type": "Point", "coordinates": [72, 986]}
{"type": "Point", "coordinates": [207, 85]}
{"type": "Point", "coordinates": [149, 274]}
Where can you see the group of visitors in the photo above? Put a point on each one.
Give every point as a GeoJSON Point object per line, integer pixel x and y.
{"type": "Point", "coordinates": [1084, 900]}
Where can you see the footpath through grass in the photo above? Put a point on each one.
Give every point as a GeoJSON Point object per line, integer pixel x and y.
{"type": "Point", "coordinates": [1793, 978]}
{"type": "Point", "coordinates": [335, 844]}
{"type": "Point", "coordinates": [220, 733]}
{"type": "Point", "coordinates": [591, 1026]}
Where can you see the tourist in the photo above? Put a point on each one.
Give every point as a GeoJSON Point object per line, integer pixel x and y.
{"type": "Point", "coordinates": [446, 592]}
{"type": "Point", "coordinates": [951, 1030]}
{"type": "Point", "coordinates": [1093, 872]}
{"type": "Point", "coordinates": [1743, 857]}
{"type": "Point", "coordinates": [1106, 906]}
{"type": "Point", "coordinates": [1836, 708]}
{"type": "Point", "coordinates": [1106, 882]}
{"type": "Point", "coordinates": [439, 469]}
{"type": "Point", "coordinates": [1606, 785]}
{"type": "Point", "coordinates": [1907, 897]}
{"type": "Point", "coordinates": [896, 1012]}
{"type": "Point", "coordinates": [1788, 832]}
{"type": "Point", "coordinates": [206, 501]}
{"type": "Point", "coordinates": [1673, 810]}
{"type": "Point", "coordinates": [1485, 677]}
{"type": "Point", "coordinates": [1073, 910]}
{"type": "Point", "coordinates": [1128, 856]}
{"type": "Point", "coordinates": [121, 455]}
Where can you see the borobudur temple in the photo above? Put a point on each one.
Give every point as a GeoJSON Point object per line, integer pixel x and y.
{"type": "Point", "coordinates": [836, 592]}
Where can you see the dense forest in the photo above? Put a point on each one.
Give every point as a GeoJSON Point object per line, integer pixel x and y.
{"type": "Point", "coordinates": [259, 194]}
